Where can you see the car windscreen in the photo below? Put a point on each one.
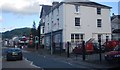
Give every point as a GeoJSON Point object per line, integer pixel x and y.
{"type": "Point", "coordinates": [14, 50]}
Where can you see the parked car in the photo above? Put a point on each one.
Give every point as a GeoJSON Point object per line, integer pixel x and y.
{"type": "Point", "coordinates": [88, 49]}
{"type": "Point", "coordinates": [14, 54]}
{"type": "Point", "coordinates": [113, 56]}
{"type": "Point", "coordinates": [110, 45]}
{"type": "Point", "coordinates": [97, 48]}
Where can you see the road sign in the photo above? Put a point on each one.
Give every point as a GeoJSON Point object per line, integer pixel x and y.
{"type": "Point", "coordinates": [36, 39]}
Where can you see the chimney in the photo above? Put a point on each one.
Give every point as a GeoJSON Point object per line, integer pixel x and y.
{"type": "Point", "coordinates": [55, 3]}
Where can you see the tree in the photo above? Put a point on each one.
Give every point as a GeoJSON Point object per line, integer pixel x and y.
{"type": "Point", "coordinates": [33, 30]}
{"type": "Point", "coordinates": [34, 33]}
{"type": "Point", "coordinates": [34, 25]}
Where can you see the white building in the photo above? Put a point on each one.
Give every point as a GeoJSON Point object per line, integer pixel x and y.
{"type": "Point", "coordinates": [73, 21]}
{"type": "Point", "coordinates": [115, 21]}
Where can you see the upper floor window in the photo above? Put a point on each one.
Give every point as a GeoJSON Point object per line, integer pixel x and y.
{"type": "Point", "coordinates": [77, 8]}
{"type": "Point", "coordinates": [99, 11]}
{"type": "Point", "coordinates": [99, 22]}
{"type": "Point", "coordinates": [77, 21]}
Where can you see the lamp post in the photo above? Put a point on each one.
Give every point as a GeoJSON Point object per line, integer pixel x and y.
{"type": "Point", "coordinates": [99, 41]}
{"type": "Point", "coordinates": [51, 41]}
{"type": "Point", "coordinates": [51, 31]}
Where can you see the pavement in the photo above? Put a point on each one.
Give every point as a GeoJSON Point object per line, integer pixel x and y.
{"type": "Point", "coordinates": [92, 61]}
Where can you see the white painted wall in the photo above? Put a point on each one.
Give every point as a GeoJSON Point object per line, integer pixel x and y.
{"type": "Point", "coordinates": [88, 20]}
{"type": "Point", "coordinates": [53, 17]}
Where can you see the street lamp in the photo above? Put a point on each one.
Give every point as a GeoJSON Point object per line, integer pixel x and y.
{"type": "Point", "coordinates": [51, 40]}
{"type": "Point", "coordinates": [51, 32]}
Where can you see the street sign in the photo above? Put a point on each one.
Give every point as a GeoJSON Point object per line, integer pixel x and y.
{"type": "Point", "coordinates": [36, 39]}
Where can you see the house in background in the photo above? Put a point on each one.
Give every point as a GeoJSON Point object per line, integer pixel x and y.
{"type": "Point", "coordinates": [74, 21]}
{"type": "Point", "coordinates": [44, 11]}
{"type": "Point", "coordinates": [115, 24]}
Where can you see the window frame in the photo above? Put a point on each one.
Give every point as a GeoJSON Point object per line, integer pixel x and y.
{"type": "Point", "coordinates": [77, 21]}
{"type": "Point", "coordinates": [72, 37]}
{"type": "Point", "coordinates": [99, 22]}
{"type": "Point", "coordinates": [99, 36]}
{"type": "Point", "coordinates": [99, 11]}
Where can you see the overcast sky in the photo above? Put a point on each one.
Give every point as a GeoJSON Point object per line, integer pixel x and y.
{"type": "Point", "coordinates": [22, 13]}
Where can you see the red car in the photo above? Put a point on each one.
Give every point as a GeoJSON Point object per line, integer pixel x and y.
{"type": "Point", "coordinates": [110, 45]}
{"type": "Point", "coordinates": [113, 56]}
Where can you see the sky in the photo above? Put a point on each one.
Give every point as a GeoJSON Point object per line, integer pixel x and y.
{"type": "Point", "coordinates": [22, 13]}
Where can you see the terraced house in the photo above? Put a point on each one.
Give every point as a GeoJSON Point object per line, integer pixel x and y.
{"type": "Point", "coordinates": [73, 21]}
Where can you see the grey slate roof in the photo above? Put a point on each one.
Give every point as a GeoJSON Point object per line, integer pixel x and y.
{"type": "Point", "coordinates": [48, 9]}
{"type": "Point", "coordinates": [90, 4]}
{"type": "Point", "coordinates": [115, 16]}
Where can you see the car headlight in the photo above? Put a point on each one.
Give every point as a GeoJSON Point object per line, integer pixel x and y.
{"type": "Point", "coordinates": [117, 55]}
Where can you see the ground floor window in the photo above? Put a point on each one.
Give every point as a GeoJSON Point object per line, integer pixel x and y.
{"type": "Point", "coordinates": [99, 36]}
{"type": "Point", "coordinates": [76, 37]}
{"type": "Point", "coordinates": [47, 41]}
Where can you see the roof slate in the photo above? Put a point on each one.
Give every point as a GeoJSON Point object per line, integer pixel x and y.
{"type": "Point", "coordinates": [48, 8]}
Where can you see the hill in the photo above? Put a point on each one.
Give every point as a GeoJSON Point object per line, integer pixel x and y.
{"type": "Point", "coordinates": [16, 32]}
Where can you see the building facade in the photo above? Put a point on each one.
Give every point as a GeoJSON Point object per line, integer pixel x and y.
{"type": "Point", "coordinates": [115, 21]}
{"type": "Point", "coordinates": [74, 21]}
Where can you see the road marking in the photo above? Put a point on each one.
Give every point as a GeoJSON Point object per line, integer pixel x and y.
{"type": "Point", "coordinates": [31, 63]}
{"type": "Point", "coordinates": [70, 63]}
{"type": "Point", "coordinates": [44, 56]}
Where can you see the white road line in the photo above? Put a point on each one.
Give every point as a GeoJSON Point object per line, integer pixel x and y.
{"type": "Point", "coordinates": [31, 63]}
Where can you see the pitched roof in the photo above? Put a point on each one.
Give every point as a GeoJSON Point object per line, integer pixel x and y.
{"type": "Point", "coordinates": [46, 8]}
{"type": "Point", "coordinates": [116, 31]}
{"type": "Point", "coordinates": [90, 4]}
{"type": "Point", "coordinates": [115, 16]}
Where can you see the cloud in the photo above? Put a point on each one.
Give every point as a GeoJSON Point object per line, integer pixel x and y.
{"type": "Point", "coordinates": [22, 6]}
{"type": "Point", "coordinates": [28, 6]}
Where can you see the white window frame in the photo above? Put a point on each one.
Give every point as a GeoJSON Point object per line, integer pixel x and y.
{"type": "Point", "coordinates": [99, 23]}
{"type": "Point", "coordinates": [76, 23]}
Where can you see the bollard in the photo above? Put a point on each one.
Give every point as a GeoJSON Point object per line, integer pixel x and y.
{"type": "Point", "coordinates": [83, 50]}
{"type": "Point", "coordinates": [99, 40]}
{"type": "Point", "coordinates": [68, 54]}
